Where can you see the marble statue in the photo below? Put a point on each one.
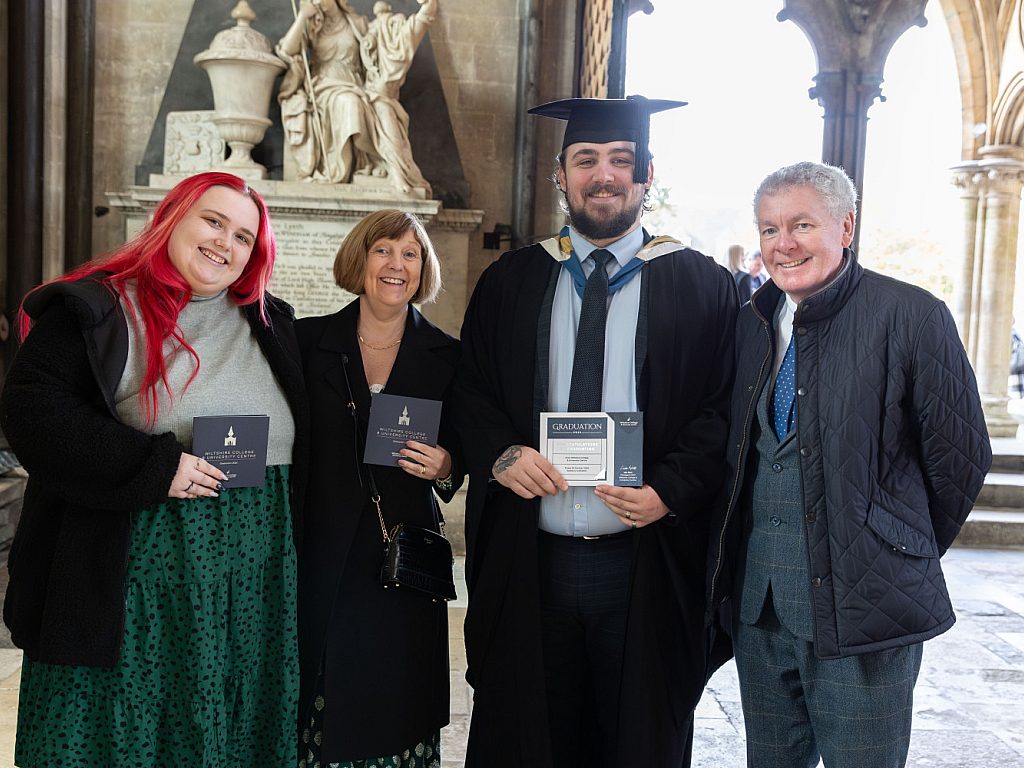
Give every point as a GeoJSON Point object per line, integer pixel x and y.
{"type": "Point", "coordinates": [387, 53]}
{"type": "Point", "coordinates": [328, 120]}
{"type": "Point", "coordinates": [339, 97]}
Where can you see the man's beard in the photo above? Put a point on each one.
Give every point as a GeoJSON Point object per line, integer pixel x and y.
{"type": "Point", "coordinates": [603, 229]}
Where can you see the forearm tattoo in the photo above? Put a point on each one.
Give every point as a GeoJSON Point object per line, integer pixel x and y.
{"type": "Point", "coordinates": [507, 459]}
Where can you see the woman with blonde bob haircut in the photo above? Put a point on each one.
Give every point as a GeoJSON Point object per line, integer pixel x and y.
{"type": "Point", "coordinates": [350, 263]}
{"type": "Point", "coordinates": [373, 662]}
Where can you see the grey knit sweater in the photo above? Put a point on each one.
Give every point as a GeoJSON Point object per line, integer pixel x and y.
{"type": "Point", "coordinates": [234, 376]}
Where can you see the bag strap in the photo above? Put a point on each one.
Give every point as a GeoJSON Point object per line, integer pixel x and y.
{"type": "Point", "coordinates": [374, 492]}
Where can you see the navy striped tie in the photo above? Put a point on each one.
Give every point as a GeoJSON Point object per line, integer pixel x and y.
{"type": "Point", "coordinates": [585, 390]}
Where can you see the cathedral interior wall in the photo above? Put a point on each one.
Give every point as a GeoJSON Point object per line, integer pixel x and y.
{"type": "Point", "coordinates": [476, 47]}
{"type": "Point", "coordinates": [136, 44]}
{"type": "Point", "coordinates": [476, 44]}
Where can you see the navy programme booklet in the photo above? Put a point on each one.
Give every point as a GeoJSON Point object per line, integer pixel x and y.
{"type": "Point", "coordinates": [236, 445]}
{"type": "Point", "coordinates": [595, 448]}
{"type": "Point", "coordinates": [395, 419]}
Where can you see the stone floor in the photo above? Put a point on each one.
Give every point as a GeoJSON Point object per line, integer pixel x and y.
{"type": "Point", "coordinates": [968, 709]}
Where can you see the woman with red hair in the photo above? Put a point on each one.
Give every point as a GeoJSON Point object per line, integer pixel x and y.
{"type": "Point", "coordinates": [155, 604]}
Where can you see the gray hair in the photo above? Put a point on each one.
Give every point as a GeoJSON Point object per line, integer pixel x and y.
{"type": "Point", "coordinates": [832, 183]}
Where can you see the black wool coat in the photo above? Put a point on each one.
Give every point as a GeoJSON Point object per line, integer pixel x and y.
{"type": "Point", "coordinates": [88, 471]}
{"type": "Point", "coordinates": [384, 652]}
{"type": "Point", "coordinates": [684, 369]}
{"type": "Point", "coordinates": [893, 450]}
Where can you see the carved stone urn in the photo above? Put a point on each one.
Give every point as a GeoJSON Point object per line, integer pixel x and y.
{"type": "Point", "coordinates": [242, 67]}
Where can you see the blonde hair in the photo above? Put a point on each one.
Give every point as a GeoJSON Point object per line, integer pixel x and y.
{"type": "Point", "coordinates": [390, 223]}
{"type": "Point", "coordinates": [735, 258]}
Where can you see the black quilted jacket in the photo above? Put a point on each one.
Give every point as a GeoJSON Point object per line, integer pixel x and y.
{"type": "Point", "coordinates": [893, 447]}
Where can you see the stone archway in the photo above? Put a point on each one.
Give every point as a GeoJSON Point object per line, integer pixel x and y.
{"type": "Point", "coordinates": [988, 41]}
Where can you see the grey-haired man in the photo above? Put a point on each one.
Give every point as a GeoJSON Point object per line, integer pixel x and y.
{"type": "Point", "coordinates": [857, 448]}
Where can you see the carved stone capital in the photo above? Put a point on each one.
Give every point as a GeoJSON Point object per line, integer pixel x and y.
{"type": "Point", "coordinates": [991, 176]}
{"type": "Point", "coordinates": [1005, 182]}
{"type": "Point", "coordinates": [853, 35]}
{"type": "Point", "coordinates": [968, 178]}
{"type": "Point", "coordinates": [846, 92]}
{"type": "Point", "coordinates": [859, 13]}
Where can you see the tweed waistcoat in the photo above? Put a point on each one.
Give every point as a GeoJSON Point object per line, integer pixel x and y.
{"type": "Point", "coordinates": [777, 546]}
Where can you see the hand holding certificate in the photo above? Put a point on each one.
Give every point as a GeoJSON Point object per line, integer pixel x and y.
{"type": "Point", "coordinates": [395, 419]}
{"type": "Point", "coordinates": [236, 445]}
{"type": "Point", "coordinates": [594, 448]}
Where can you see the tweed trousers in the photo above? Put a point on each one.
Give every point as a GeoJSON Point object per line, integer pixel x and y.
{"type": "Point", "coordinates": [851, 712]}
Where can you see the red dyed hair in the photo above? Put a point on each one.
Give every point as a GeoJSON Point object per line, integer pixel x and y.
{"type": "Point", "coordinates": [161, 290]}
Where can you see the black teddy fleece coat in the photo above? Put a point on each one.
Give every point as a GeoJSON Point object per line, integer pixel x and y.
{"type": "Point", "coordinates": [88, 471]}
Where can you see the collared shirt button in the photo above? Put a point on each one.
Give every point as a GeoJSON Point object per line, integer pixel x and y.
{"type": "Point", "coordinates": [802, 391]}
{"type": "Point", "coordinates": [776, 467]}
{"type": "Point", "coordinates": [816, 581]}
{"type": "Point", "coordinates": [805, 452]}
{"type": "Point", "coordinates": [775, 520]}
{"type": "Point", "coordinates": [577, 506]}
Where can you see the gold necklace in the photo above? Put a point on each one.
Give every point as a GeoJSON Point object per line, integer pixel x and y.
{"type": "Point", "coordinates": [366, 344]}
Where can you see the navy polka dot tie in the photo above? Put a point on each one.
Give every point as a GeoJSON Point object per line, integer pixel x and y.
{"type": "Point", "coordinates": [585, 388]}
{"type": "Point", "coordinates": [785, 392]}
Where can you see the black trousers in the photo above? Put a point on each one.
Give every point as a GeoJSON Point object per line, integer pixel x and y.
{"type": "Point", "coordinates": [584, 593]}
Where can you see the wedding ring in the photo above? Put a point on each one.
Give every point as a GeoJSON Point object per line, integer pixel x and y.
{"type": "Point", "coordinates": [629, 515]}
{"type": "Point", "coordinates": [634, 523]}
{"type": "Point", "coordinates": [197, 463]}
{"type": "Point", "coordinates": [423, 470]}
{"type": "Point", "coordinates": [189, 488]}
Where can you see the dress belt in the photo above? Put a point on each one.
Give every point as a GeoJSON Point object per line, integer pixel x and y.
{"type": "Point", "coordinates": [590, 538]}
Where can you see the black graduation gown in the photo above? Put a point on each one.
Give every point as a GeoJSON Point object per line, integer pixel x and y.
{"type": "Point", "coordinates": [386, 669]}
{"type": "Point", "coordinates": [685, 363]}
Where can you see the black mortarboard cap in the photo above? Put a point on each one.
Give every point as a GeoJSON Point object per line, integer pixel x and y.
{"type": "Point", "coordinates": [600, 121]}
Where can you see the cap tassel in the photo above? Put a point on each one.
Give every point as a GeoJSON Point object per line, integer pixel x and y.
{"type": "Point", "coordinates": [643, 127]}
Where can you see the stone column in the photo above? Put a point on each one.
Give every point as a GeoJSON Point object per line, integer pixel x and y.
{"type": "Point", "coordinates": [55, 136]}
{"type": "Point", "coordinates": [846, 97]}
{"type": "Point", "coordinates": [968, 178]}
{"type": "Point", "coordinates": [1001, 178]}
{"type": "Point", "coordinates": [851, 42]}
{"type": "Point", "coordinates": [25, 193]}
{"type": "Point", "coordinates": [79, 132]}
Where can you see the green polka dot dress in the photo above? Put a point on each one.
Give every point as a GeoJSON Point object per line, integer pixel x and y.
{"type": "Point", "coordinates": [208, 675]}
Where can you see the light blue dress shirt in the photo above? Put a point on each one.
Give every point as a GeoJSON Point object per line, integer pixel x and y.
{"type": "Point", "coordinates": [578, 511]}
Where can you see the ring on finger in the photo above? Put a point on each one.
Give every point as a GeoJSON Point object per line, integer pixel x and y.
{"type": "Point", "coordinates": [634, 523]}
{"type": "Point", "coordinates": [197, 463]}
{"type": "Point", "coordinates": [629, 515]}
{"type": "Point", "coordinates": [189, 487]}
{"type": "Point", "coordinates": [423, 470]}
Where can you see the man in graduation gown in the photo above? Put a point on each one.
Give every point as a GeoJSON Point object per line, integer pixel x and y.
{"type": "Point", "coordinates": [584, 629]}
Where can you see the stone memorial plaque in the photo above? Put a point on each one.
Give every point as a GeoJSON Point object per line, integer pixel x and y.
{"type": "Point", "coordinates": [304, 269]}
{"type": "Point", "coordinates": [310, 223]}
